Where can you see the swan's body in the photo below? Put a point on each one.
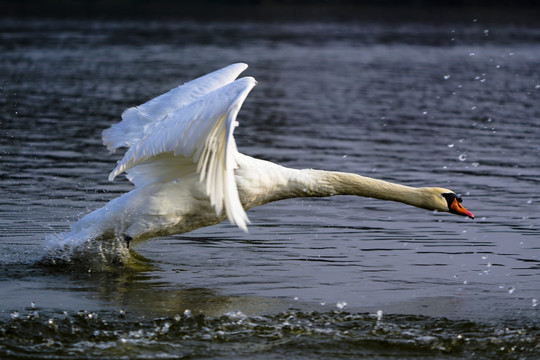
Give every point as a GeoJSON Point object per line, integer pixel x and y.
{"type": "Point", "coordinates": [188, 173]}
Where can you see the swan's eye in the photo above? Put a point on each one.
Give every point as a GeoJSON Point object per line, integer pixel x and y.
{"type": "Point", "coordinates": [459, 199]}
{"type": "Point", "coordinates": [450, 197]}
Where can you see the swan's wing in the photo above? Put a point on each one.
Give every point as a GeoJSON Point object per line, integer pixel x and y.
{"type": "Point", "coordinates": [202, 132]}
{"type": "Point", "coordinates": [137, 120]}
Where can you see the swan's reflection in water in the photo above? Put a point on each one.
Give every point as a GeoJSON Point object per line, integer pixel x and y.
{"type": "Point", "coordinates": [137, 287]}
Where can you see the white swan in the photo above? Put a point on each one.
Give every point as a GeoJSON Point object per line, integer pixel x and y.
{"type": "Point", "coordinates": [188, 174]}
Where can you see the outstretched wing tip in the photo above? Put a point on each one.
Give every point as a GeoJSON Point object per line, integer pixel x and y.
{"type": "Point", "coordinates": [249, 79]}
{"type": "Point", "coordinates": [242, 65]}
{"type": "Point", "coordinates": [136, 120]}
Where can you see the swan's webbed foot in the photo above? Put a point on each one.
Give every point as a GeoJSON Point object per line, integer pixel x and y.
{"type": "Point", "coordinates": [128, 239]}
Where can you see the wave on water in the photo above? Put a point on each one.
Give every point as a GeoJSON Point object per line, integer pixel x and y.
{"type": "Point", "coordinates": [119, 334]}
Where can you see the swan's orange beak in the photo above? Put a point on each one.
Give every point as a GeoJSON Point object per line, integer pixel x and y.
{"type": "Point", "coordinates": [457, 208]}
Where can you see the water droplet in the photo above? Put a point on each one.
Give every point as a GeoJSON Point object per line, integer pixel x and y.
{"type": "Point", "coordinates": [511, 289]}
{"type": "Point", "coordinates": [165, 328]}
{"type": "Point", "coordinates": [471, 54]}
{"type": "Point", "coordinates": [462, 157]}
{"type": "Point", "coordinates": [537, 86]}
{"type": "Point", "coordinates": [534, 302]}
{"type": "Point", "coordinates": [187, 313]}
{"type": "Point", "coordinates": [341, 305]}
{"type": "Point", "coordinates": [424, 113]}
{"type": "Point", "coordinates": [475, 164]}
{"type": "Point", "coordinates": [15, 315]}
{"type": "Point", "coordinates": [236, 314]}
{"type": "Point", "coordinates": [379, 315]}
{"type": "Point", "coordinates": [486, 32]}
{"type": "Point", "coordinates": [446, 77]}
{"type": "Point", "coordinates": [450, 145]}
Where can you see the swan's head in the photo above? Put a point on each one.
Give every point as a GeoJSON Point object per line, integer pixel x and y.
{"type": "Point", "coordinates": [447, 200]}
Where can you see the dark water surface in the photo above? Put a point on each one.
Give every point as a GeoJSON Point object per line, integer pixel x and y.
{"type": "Point", "coordinates": [423, 105]}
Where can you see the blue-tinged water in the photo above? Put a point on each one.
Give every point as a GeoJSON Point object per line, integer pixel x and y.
{"type": "Point", "coordinates": [423, 105]}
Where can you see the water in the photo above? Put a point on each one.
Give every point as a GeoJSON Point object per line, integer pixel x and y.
{"type": "Point", "coordinates": [426, 105]}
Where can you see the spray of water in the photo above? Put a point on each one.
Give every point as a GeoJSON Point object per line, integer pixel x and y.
{"type": "Point", "coordinates": [97, 254]}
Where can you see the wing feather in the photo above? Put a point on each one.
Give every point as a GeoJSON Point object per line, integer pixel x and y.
{"type": "Point", "coordinates": [139, 120]}
{"type": "Point", "coordinates": [203, 132]}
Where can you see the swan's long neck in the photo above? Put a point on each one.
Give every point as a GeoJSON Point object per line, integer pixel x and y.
{"type": "Point", "coordinates": [328, 183]}
{"type": "Point", "coordinates": [266, 182]}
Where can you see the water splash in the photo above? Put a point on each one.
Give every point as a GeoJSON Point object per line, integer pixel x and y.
{"type": "Point", "coordinates": [94, 254]}
{"type": "Point", "coordinates": [341, 305]}
{"type": "Point", "coordinates": [92, 334]}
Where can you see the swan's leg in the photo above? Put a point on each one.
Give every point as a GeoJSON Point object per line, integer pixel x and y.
{"type": "Point", "coordinates": [128, 239]}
